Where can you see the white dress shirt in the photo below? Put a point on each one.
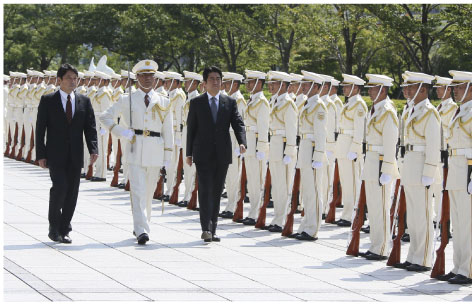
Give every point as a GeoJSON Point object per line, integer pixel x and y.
{"type": "Point", "coordinates": [216, 97]}
{"type": "Point", "coordinates": [64, 100]}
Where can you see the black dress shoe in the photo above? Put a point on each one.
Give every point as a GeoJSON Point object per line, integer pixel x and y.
{"type": "Point", "coordinates": [121, 171]}
{"type": "Point", "coordinates": [196, 209]}
{"type": "Point", "coordinates": [83, 175]}
{"type": "Point", "coordinates": [165, 198]}
{"type": "Point", "coordinates": [226, 214]}
{"type": "Point", "coordinates": [305, 236]}
{"type": "Point", "coordinates": [402, 265]}
{"type": "Point", "coordinates": [324, 216]}
{"type": "Point", "coordinates": [134, 233]}
{"type": "Point", "coordinates": [249, 222]}
{"type": "Point", "coordinates": [206, 236]}
{"type": "Point", "coordinates": [97, 179]}
{"type": "Point", "coordinates": [266, 227]}
{"type": "Point", "coordinates": [446, 277]}
{"type": "Point", "coordinates": [417, 268]}
{"type": "Point", "coordinates": [363, 254]}
{"type": "Point", "coordinates": [121, 185]}
{"type": "Point", "coordinates": [65, 239]}
{"type": "Point", "coordinates": [406, 238]}
{"type": "Point", "coordinates": [142, 239]}
{"type": "Point", "coordinates": [344, 223]}
{"type": "Point", "coordinates": [297, 211]}
{"type": "Point", "coordinates": [183, 204]}
{"type": "Point", "coordinates": [224, 195]}
{"type": "Point", "coordinates": [246, 199]}
{"type": "Point", "coordinates": [460, 279]}
{"type": "Point", "coordinates": [241, 220]}
{"type": "Point", "coordinates": [293, 235]}
{"type": "Point", "coordinates": [270, 205]}
{"type": "Point", "coordinates": [375, 257]}
{"type": "Point", "coordinates": [54, 236]}
{"type": "Point", "coordinates": [365, 229]}
{"type": "Point", "coordinates": [276, 229]}
{"type": "Point", "coordinates": [215, 238]}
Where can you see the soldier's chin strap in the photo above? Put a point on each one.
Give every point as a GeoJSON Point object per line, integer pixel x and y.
{"type": "Point", "coordinates": [191, 84]}
{"type": "Point", "coordinates": [255, 85]}
{"type": "Point", "coordinates": [56, 81]}
{"type": "Point", "coordinates": [377, 96]}
{"type": "Point", "coordinates": [310, 89]}
{"type": "Point", "coordinates": [466, 91]}
{"type": "Point", "coordinates": [300, 85]}
{"type": "Point", "coordinates": [146, 88]}
{"type": "Point", "coordinates": [352, 87]}
{"type": "Point", "coordinates": [417, 92]}
{"type": "Point", "coordinates": [445, 91]}
{"type": "Point", "coordinates": [330, 90]}
{"type": "Point", "coordinates": [321, 89]}
{"type": "Point", "coordinates": [231, 87]}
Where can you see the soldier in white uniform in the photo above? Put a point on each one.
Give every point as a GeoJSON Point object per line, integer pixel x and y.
{"type": "Point", "coordinates": [349, 145]}
{"type": "Point", "coordinates": [6, 112]}
{"type": "Point", "coordinates": [28, 114]}
{"type": "Point", "coordinates": [312, 157]}
{"type": "Point", "coordinates": [420, 170]}
{"type": "Point", "coordinates": [39, 92]}
{"type": "Point", "coordinates": [20, 99]}
{"type": "Point", "coordinates": [380, 167]}
{"type": "Point", "coordinates": [192, 81]}
{"type": "Point", "coordinates": [459, 179]}
{"type": "Point", "coordinates": [149, 138]}
{"type": "Point", "coordinates": [177, 97]}
{"type": "Point", "coordinates": [256, 119]}
{"type": "Point", "coordinates": [116, 93]}
{"type": "Point", "coordinates": [159, 86]}
{"type": "Point", "coordinates": [14, 86]}
{"type": "Point", "coordinates": [283, 147]}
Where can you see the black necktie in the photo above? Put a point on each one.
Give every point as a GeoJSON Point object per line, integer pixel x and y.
{"type": "Point", "coordinates": [146, 100]}
{"type": "Point", "coordinates": [69, 110]}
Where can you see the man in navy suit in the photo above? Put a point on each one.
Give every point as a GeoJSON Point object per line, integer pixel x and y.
{"type": "Point", "coordinates": [209, 146]}
{"type": "Point", "coordinates": [64, 116]}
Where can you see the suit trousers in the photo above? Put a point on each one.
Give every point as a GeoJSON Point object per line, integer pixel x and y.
{"type": "Point", "coordinates": [63, 196]}
{"type": "Point", "coordinates": [256, 174]}
{"type": "Point", "coordinates": [378, 200]}
{"type": "Point", "coordinates": [233, 183]}
{"type": "Point", "coordinates": [210, 187]}
{"type": "Point", "coordinates": [312, 195]}
{"type": "Point", "coordinates": [461, 214]}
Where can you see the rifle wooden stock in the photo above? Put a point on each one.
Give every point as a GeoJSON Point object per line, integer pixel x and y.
{"type": "Point", "coordinates": [439, 264]}
{"type": "Point", "coordinates": [194, 195]}
{"type": "Point", "coordinates": [9, 142]}
{"type": "Point", "coordinates": [109, 150]}
{"type": "Point", "coordinates": [395, 256]}
{"type": "Point", "coordinates": [22, 145]}
{"type": "Point", "coordinates": [160, 183]}
{"type": "Point", "coordinates": [127, 186]}
{"type": "Point", "coordinates": [261, 220]}
{"type": "Point", "coordinates": [118, 157]}
{"type": "Point", "coordinates": [239, 206]}
{"type": "Point", "coordinates": [15, 142]}
{"type": "Point", "coordinates": [32, 145]}
{"type": "Point", "coordinates": [174, 196]}
{"type": "Point", "coordinates": [354, 246]}
{"type": "Point", "coordinates": [336, 201]}
{"type": "Point", "coordinates": [289, 223]}
{"type": "Point", "coordinates": [393, 205]}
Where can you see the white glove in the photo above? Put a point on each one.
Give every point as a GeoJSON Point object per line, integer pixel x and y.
{"type": "Point", "coordinates": [128, 134]}
{"type": "Point", "coordinates": [102, 131]}
{"type": "Point", "coordinates": [166, 163]}
{"type": "Point", "coordinates": [351, 156]}
{"type": "Point", "coordinates": [384, 179]}
{"type": "Point", "coordinates": [329, 154]}
{"type": "Point", "coordinates": [287, 159]}
{"type": "Point", "coordinates": [178, 142]}
{"type": "Point", "coordinates": [316, 164]}
{"type": "Point", "coordinates": [427, 180]}
{"type": "Point", "coordinates": [237, 151]}
{"type": "Point", "coordinates": [260, 155]}
{"type": "Point", "coordinates": [470, 187]}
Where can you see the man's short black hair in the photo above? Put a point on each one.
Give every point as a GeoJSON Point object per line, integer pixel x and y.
{"type": "Point", "coordinates": [65, 68]}
{"type": "Point", "coordinates": [209, 70]}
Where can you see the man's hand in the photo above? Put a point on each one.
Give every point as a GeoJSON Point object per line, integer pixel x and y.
{"type": "Point", "coordinates": [243, 148]}
{"type": "Point", "coordinates": [93, 158]}
{"type": "Point", "coordinates": [42, 163]}
{"type": "Point", "coordinates": [189, 161]}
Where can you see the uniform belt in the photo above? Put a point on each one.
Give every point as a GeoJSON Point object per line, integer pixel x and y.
{"type": "Point", "coordinates": [460, 152]}
{"type": "Point", "coordinates": [410, 147]}
{"type": "Point", "coordinates": [347, 131]}
{"type": "Point", "coordinates": [375, 148]}
{"type": "Point", "coordinates": [307, 136]}
{"type": "Point", "coordinates": [251, 128]}
{"type": "Point", "coordinates": [277, 132]}
{"type": "Point", "coordinates": [146, 133]}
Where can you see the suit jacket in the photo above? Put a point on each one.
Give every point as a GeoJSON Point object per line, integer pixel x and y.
{"type": "Point", "coordinates": [64, 142]}
{"type": "Point", "coordinates": [210, 142]}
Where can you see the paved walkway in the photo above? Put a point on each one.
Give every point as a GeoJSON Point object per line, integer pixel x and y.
{"type": "Point", "coordinates": [104, 261]}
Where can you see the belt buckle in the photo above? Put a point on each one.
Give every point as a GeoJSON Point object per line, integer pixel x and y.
{"type": "Point", "coordinates": [146, 133]}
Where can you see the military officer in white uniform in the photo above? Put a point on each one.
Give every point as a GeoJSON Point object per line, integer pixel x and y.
{"type": "Point", "coordinates": [6, 111]}
{"type": "Point", "coordinates": [420, 170]}
{"type": "Point", "coordinates": [380, 167]}
{"type": "Point", "coordinates": [14, 86]}
{"type": "Point", "coordinates": [159, 86]}
{"type": "Point", "coordinates": [149, 137]}
{"type": "Point", "coordinates": [20, 100]}
{"type": "Point", "coordinates": [459, 180]}
{"type": "Point", "coordinates": [35, 102]}
{"type": "Point", "coordinates": [117, 91]}
{"type": "Point", "coordinates": [349, 145]}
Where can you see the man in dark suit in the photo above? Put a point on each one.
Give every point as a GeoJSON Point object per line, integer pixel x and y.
{"type": "Point", "coordinates": [208, 145]}
{"type": "Point", "coordinates": [64, 115]}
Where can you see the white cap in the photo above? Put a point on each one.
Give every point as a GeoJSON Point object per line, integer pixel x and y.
{"type": "Point", "coordinates": [326, 78]}
{"type": "Point", "coordinates": [411, 78]}
{"type": "Point", "coordinates": [159, 75]}
{"type": "Point", "coordinates": [92, 66]}
{"type": "Point", "coordinates": [30, 72]}
{"type": "Point", "coordinates": [296, 77]}
{"type": "Point", "coordinates": [442, 81]}
{"type": "Point", "coordinates": [351, 80]}
{"type": "Point", "coordinates": [115, 75]}
{"type": "Point", "coordinates": [378, 80]}
{"type": "Point", "coordinates": [6, 78]}
{"type": "Point", "coordinates": [232, 76]}
{"type": "Point", "coordinates": [39, 74]}
{"type": "Point", "coordinates": [278, 76]}
{"type": "Point", "coordinates": [53, 73]}
{"type": "Point", "coordinates": [173, 75]}
{"type": "Point", "coordinates": [80, 74]}
{"type": "Point", "coordinates": [103, 67]}
{"type": "Point", "coordinates": [20, 74]}
{"type": "Point", "coordinates": [193, 75]}
{"type": "Point", "coordinates": [12, 74]}
{"type": "Point", "coordinates": [335, 82]}
{"type": "Point", "coordinates": [145, 66]}
{"type": "Point", "coordinates": [460, 77]}
{"type": "Point", "coordinates": [101, 74]}
{"type": "Point", "coordinates": [125, 74]}
{"type": "Point", "coordinates": [251, 74]}
{"type": "Point", "coordinates": [312, 77]}
{"type": "Point", "coordinates": [88, 74]}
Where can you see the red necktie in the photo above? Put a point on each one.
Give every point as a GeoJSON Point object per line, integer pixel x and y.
{"type": "Point", "coordinates": [69, 110]}
{"type": "Point", "coordinates": [146, 100]}
{"type": "Point", "coordinates": [456, 112]}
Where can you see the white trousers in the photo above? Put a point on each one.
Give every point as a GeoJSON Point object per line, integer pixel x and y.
{"type": "Point", "coordinates": [350, 184]}
{"type": "Point", "coordinates": [378, 200]}
{"type": "Point", "coordinates": [233, 183]}
{"type": "Point", "coordinates": [189, 176]}
{"type": "Point", "coordinates": [327, 183]}
{"type": "Point", "coordinates": [102, 141]}
{"type": "Point", "coordinates": [171, 170]}
{"type": "Point", "coordinates": [28, 120]}
{"type": "Point", "coordinates": [282, 177]}
{"type": "Point", "coordinates": [461, 215]}
{"type": "Point", "coordinates": [125, 166]}
{"type": "Point", "coordinates": [312, 196]}
{"type": "Point", "coordinates": [256, 174]}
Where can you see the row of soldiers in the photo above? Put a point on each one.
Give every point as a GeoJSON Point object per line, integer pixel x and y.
{"type": "Point", "coordinates": [305, 131]}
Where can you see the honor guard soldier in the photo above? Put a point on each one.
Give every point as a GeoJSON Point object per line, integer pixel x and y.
{"type": "Point", "coordinates": [88, 83]}
{"type": "Point", "coordinates": [294, 85]}
{"type": "Point", "coordinates": [6, 112]}
{"type": "Point", "coordinates": [420, 170]}
{"type": "Point", "coordinates": [117, 92]}
{"type": "Point", "coordinates": [81, 89]}
{"type": "Point", "coordinates": [19, 108]}
{"type": "Point", "coordinates": [149, 137]}
{"type": "Point", "coordinates": [256, 118]}
{"type": "Point", "coordinates": [177, 97]}
{"type": "Point", "coordinates": [380, 167]}
{"type": "Point", "coordinates": [283, 146]}
{"type": "Point", "coordinates": [312, 157]}
{"type": "Point", "coordinates": [459, 179]}
{"type": "Point", "coordinates": [299, 97]}
{"type": "Point", "coordinates": [192, 80]}
{"type": "Point", "coordinates": [159, 87]}
{"type": "Point", "coordinates": [335, 98]}
{"type": "Point", "coordinates": [39, 92]}
{"type": "Point", "coordinates": [231, 82]}
{"type": "Point", "coordinates": [349, 144]}
{"type": "Point", "coordinates": [14, 86]}
{"type": "Point", "coordinates": [28, 114]}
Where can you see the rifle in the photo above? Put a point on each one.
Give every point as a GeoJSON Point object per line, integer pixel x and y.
{"type": "Point", "coordinates": [395, 256]}
{"type": "Point", "coordinates": [159, 189]}
{"type": "Point", "coordinates": [174, 196]}
{"type": "Point", "coordinates": [9, 142]}
{"type": "Point", "coordinates": [115, 179]}
{"type": "Point", "coordinates": [289, 223]}
{"type": "Point", "coordinates": [15, 142]}
{"type": "Point", "coordinates": [353, 247]}
{"type": "Point", "coordinates": [336, 201]}
{"type": "Point", "coordinates": [109, 150]}
{"type": "Point", "coordinates": [194, 195]}
{"type": "Point", "coordinates": [22, 145]}
{"type": "Point", "coordinates": [394, 204]}
{"type": "Point", "coordinates": [32, 145]}
{"type": "Point", "coordinates": [239, 206]}
{"type": "Point", "coordinates": [261, 220]}
{"type": "Point", "coordinates": [127, 186]}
